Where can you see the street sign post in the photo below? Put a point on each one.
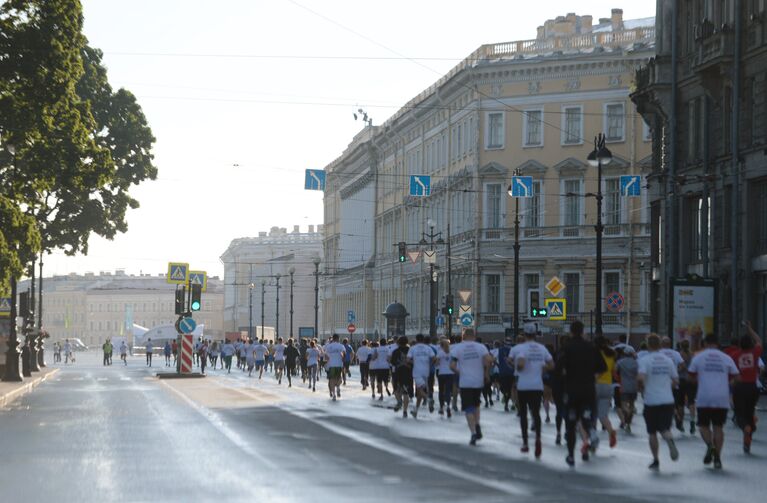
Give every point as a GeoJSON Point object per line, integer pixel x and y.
{"type": "Point", "coordinates": [315, 179]}
{"type": "Point", "coordinates": [430, 256]}
{"type": "Point", "coordinates": [555, 286]}
{"type": "Point", "coordinates": [614, 302]}
{"type": "Point", "coordinates": [187, 325]}
{"type": "Point", "coordinates": [631, 185]}
{"type": "Point", "coordinates": [420, 185]}
{"type": "Point", "coordinates": [351, 328]}
{"type": "Point", "coordinates": [178, 273]}
{"type": "Point", "coordinates": [557, 309]}
{"type": "Point", "coordinates": [199, 278]}
{"type": "Point", "coordinates": [464, 309]}
{"type": "Point", "coordinates": [464, 295]}
{"type": "Point", "coordinates": [521, 186]}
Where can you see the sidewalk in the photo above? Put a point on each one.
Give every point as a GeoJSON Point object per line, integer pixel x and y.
{"type": "Point", "coordinates": [9, 391]}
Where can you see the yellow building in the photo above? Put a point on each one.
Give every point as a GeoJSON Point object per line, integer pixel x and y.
{"type": "Point", "coordinates": [531, 107]}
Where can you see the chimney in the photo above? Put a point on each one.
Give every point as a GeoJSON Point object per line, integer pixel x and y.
{"type": "Point", "coordinates": [541, 34]}
{"type": "Point", "coordinates": [571, 17]}
{"type": "Point", "coordinates": [604, 20]}
{"type": "Point", "coordinates": [262, 234]}
{"type": "Point", "coordinates": [586, 24]}
{"type": "Point", "coordinates": [295, 229]}
{"type": "Point", "coordinates": [311, 228]}
{"type": "Point", "coordinates": [320, 228]}
{"type": "Point", "coordinates": [616, 18]}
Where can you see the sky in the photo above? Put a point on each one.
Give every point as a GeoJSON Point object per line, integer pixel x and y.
{"type": "Point", "coordinates": [244, 95]}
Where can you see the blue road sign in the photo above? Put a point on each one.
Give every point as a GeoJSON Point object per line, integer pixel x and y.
{"type": "Point", "coordinates": [420, 185]}
{"type": "Point", "coordinates": [187, 325]}
{"type": "Point", "coordinates": [315, 179]}
{"type": "Point", "coordinates": [467, 320]}
{"type": "Point", "coordinates": [522, 186]}
{"type": "Point", "coordinates": [440, 319]}
{"type": "Point", "coordinates": [631, 185]}
{"type": "Point", "coordinates": [350, 316]}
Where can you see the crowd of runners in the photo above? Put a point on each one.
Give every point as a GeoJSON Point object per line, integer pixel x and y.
{"type": "Point", "coordinates": [578, 382]}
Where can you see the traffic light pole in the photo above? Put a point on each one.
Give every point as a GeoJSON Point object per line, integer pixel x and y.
{"type": "Point", "coordinates": [449, 295]}
{"type": "Point", "coordinates": [516, 267]}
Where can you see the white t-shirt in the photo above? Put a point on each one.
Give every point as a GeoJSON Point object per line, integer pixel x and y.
{"type": "Point", "coordinates": [444, 363]}
{"type": "Point", "coordinates": [259, 351]}
{"type": "Point", "coordinates": [673, 355]}
{"type": "Point", "coordinates": [658, 371]}
{"type": "Point", "coordinates": [123, 349]}
{"type": "Point", "coordinates": [379, 362]}
{"type": "Point", "coordinates": [279, 352]}
{"type": "Point", "coordinates": [422, 356]}
{"type": "Point", "coordinates": [713, 369]}
{"type": "Point", "coordinates": [362, 354]}
{"type": "Point", "coordinates": [335, 352]}
{"type": "Point", "coordinates": [536, 356]}
{"type": "Point", "coordinates": [642, 354]}
{"type": "Point", "coordinates": [228, 349]}
{"type": "Point", "coordinates": [149, 347]}
{"type": "Point", "coordinates": [312, 356]}
{"type": "Point", "coordinates": [470, 356]}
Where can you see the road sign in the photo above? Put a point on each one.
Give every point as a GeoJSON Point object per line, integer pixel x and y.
{"type": "Point", "coordinates": [555, 286]}
{"type": "Point", "coordinates": [465, 295]}
{"type": "Point", "coordinates": [631, 185]}
{"type": "Point", "coordinates": [199, 278]}
{"type": "Point", "coordinates": [521, 186]}
{"type": "Point", "coordinates": [614, 302]}
{"type": "Point", "coordinates": [413, 255]}
{"type": "Point", "coordinates": [420, 185]}
{"type": "Point", "coordinates": [467, 320]}
{"type": "Point", "coordinates": [439, 320]}
{"type": "Point", "coordinates": [187, 325]}
{"type": "Point", "coordinates": [350, 316]}
{"type": "Point", "coordinates": [464, 309]}
{"type": "Point", "coordinates": [351, 328]}
{"type": "Point", "coordinates": [315, 179]}
{"type": "Point", "coordinates": [557, 309]}
{"type": "Point", "coordinates": [178, 273]}
{"type": "Point", "coordinates": [539, 312]}
{"type": "Point", "coordinates": [430, 256]}
{"type": "Point", "coordinates": [5, 307]}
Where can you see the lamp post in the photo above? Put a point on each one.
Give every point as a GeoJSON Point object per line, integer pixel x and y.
{"type": "Point", "coordinates": [30, 322]}
{"type": "Point", "coordinates": [432, 279]}
{"type": "Point", "coordinates": [263, 292]}
{"type": "Point", "coordinates": [516, 261]}
{"type": "Point", "coordinates": [277, 310]}
{"type": "Point", "coordinates": [292, 271]}
{"type": "Point", "coordinates": [599, 156]}
{"type": "Point", "coordinates": [12, 371]}
{"type": "Point", "coordinates": [316, 294]}
{"type": "Point", "coordinates": [250, 310]}
{"type": "Point", "coordinates": [41, 342]}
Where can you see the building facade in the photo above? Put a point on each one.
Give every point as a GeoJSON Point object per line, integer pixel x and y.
{"type": "Point", "coordinates": [530, 107]}
{"type": "Point", "coordinates": [704, 95]}
{"type": "Point", "coordinates": [95, 307]}
{"type": "Point", "coordinates": [263, 264]}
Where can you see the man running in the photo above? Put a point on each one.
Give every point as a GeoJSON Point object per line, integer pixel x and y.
{"type": "Point", "coordinates": [348, 355]}
{"type": "Point", "coordinates": [605, 391]}
{"type": "Point", "coordinates": [260, 352]}
{"type": "Point", "coordinates": [713, 371]}
{"type": "Point", "coordinates": [687, 386]}
{"type": "Point", "coordinates": [445, 377]}
{"type": "Point", "coordinates": [471, 361]}
{"type": "Point", "coordinates": [302, 347]}
{"type": "Point", "coordinates": [335, 352]}
{"type": "Point", "coordinates": [745, 393]}
{"type": "Point", "coordinates": [531, 359]}
{"type": "Point", "coordinates": [312, 362]}
{"type": "Point", "coordinates": [166, 352]}
{"type": "Point", "coordinates": [627, 369]}
{"type": "Point", "coordinates": [403, 390]}
{"type": "Point", "coordinates": [379, 368]}
{"type": "Point", "coordinates": [227, 352]}
{"type": "Point", "coordinates": [363, 358]}
{"type": "Point", "coordinates": [672, 354]}
{"type": "Point", "coordinates": [291, 355]}
{"type": "Point", "coordinates": [421, 357]}
{"type": "Point", "coordinates": [124, 352]}
{"type": "Point", "coordinates": [279, 360]}
{"type": "Point", "coordinates": [580, 363]}
{"type": "Point", "coordinates": [505, 373]}
{"type": "Point", "coordinates": [658, 376]}
{"type": "Point", "coordinates": [149, 348]}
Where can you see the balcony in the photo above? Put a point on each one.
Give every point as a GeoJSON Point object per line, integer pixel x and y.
{"type": "Point", "coordinates": [715, 47]}
{"type": "Point", "coordinates": [565, 232]}
{"type": "Point", "coordinates": [611, 322]}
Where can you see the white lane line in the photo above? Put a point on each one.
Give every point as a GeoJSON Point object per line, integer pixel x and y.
{"type": "Point", "coordinates": [102, 378]}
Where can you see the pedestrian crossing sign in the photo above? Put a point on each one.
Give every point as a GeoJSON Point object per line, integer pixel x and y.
{"type": "Point", "coordinates": [199, 278]}
{"type": "Point", "coordinates": [5, 307]}
{"type": "Point", "coordinates": [557, 309]}
{"type": "Point", "coordinates": [178, 273]}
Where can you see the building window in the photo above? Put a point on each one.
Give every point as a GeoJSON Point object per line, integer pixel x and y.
{"type": "Point", "coordinates": [495, 131]}
{"type": "Point", "coordinates": [646, 133]}
{"type": "Point", "coordinates": [615, 120]}
{"type": "Point", "coordinates": [760, 210]}
{"type": "Point", "coordinates": [611, 282]}
{"type": "Point", "coordinates": [493, 202]}
{"type": "Point", "coordinates": [572, 124]}
{"type": "Point", "coordinates": [533, 288]}
{"type": "Point", "coordinates": [573, 291]}
{"type": "Point", "coordinates": [533, 216]}
{"type": "Point", "coordinates": [695, 225]}
{"type": "Point", "coordinates": [572, 203]}
{"type": "Point", "coordinates": [533, 130]}
{"type": "Point", "coordinates": [612, 201]}
{"type": "Point", "coordinates": [493, 293]}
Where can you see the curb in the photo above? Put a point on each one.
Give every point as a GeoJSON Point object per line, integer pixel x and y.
{"type": "Point", "coordinates": [25, 388]}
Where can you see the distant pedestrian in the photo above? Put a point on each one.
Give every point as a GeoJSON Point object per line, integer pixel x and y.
{"type": "Point", "coordinates": [68, 352]}
{"type": "Point", "coordinates": [203, 354]}
{"type": "Point", "coordinates": [149, 348]}
{"type": "Point", "coordinates": [363, 359]}
{"type": "Point", "coordinates": [174, 350]}
{"type": "Point", "coordinates": [167, 349]}
{"type": "Point", "coordinates": [627, 369]}
{"type": "Point", "coordinates": [291, 357]}
{"type": "Point", "coordinates": [312, 362]}
{"type": "Point", "coordinates": [107, 348]}
{"type": "Point", "coordinates": [124, 352]}
{"type": "Point", "coordinates": [227, 352]}
{"type": "Point", "coordinates": [214, 350]}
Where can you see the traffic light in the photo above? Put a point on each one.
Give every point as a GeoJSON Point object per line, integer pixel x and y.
{"type": "Point", "coordinates": [180, 300]}
{"type": "Point", "coordinates": [449, 304]}
{"type": "Point", "coordinates": [539, 312]}
{"type": "Point", "coordinates": [402, 247]}
{"type": "Point", "coordinates": [196, 297]}
{"type": "Point", "coordinates": [24, 304]}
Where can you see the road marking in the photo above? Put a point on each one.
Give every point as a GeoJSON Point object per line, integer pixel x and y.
{"type": "Point", "coordinates": [102, 378]}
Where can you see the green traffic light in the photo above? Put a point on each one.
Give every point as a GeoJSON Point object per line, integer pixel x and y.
{"type": "Point", "coordinates": [195, 305]}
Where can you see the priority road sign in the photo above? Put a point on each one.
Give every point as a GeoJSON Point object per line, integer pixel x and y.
{"type": "Point", "coordinates": [187, 325]}
{"type": "Point", "coordinates": [178, 273]}
{"type": "Point", "coordinates": [521, 186]}
{"type": "Point", "coordinates": [5, 307]}
{"type": "Point", "coordinates": [614, 301]}
{"type": "Point", "coordinates": [315, 179]}
{"type": "Point", "coordinates": [557, 309]}
{"type": "Point", "coordinates": [467, 320]}
{"type": "Point", "coordinates": [631, 185]}
{"type": "Point", "coordinates": [199, 278]}
{"type": "Point", "coordinates": [555, 286]}
{"type": "Point", "coordinates": [420, 185]}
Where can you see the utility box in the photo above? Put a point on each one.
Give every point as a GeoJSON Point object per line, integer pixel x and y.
{"type": "Point", "coordinates": [395, 320]}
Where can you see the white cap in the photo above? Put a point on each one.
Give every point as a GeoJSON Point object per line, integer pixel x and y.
{"type": "Point", "coordinates": [531, 328]}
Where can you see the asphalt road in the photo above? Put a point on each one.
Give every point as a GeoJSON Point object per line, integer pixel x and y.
{"type": "Point", "coordinates": [102, 434]}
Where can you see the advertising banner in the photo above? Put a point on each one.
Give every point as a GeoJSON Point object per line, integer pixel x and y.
{"type": "Point", "coordinates": [693, 308]}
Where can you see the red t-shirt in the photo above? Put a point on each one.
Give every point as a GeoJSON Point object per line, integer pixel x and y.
{"type": "Point", "coordinates": [748, 363]}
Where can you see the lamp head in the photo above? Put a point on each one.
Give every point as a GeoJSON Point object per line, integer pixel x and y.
{"type": "Point", "coordinates": [11, 148]}
{"type": "Point", "coordinates": [316, 260]}
{"type": "Point", "coordinates": [292, 271]}
{"type": "Point", "coordinates": [430, 222]}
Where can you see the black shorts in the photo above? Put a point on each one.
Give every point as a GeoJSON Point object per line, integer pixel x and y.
{"type": "Point", "coordinates": [381, 375]}
{"type": "Point", "coordinates": [470, 397]}
{"type": "Point", "coordinates": [505, 382]}
{"type": "Point", "coordinates": [658, 417]}
{"type": "Point", "coordinates": [710, 416]}
{"type": "Point", "coordinates": [689, 390]}
{"type": "Point", "coordinates": [405, 383]}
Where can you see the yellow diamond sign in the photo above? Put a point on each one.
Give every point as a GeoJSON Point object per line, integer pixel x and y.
{"type": "Point", "coordinates": [555, 286]}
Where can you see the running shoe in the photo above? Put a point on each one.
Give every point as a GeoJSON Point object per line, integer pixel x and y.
{"type": "Point", "coordinates": [709, 455]}
{"type": "Point", "coordinates": [449, 414]}
{"type": "Point", "coordinates": [479, 432]}
{"type": "Point", "coordinates": [538, 448]}
{"type": "Point", "coordinates": [655, 465]}
{"type": "Point", "coordinates": [680, 425]}
{"type": "Point", "coordinates": [524, 449]}
{"type": "Point", "coordinates": [692, 427]}
{"type": "Point", "coordinates": [570, 461]}
{"type": "Point", "coordinates": [558, 441]}
{"type": "Point", "coordinates": [431, 405]}
{"type": "Point", "coordinates": [613, 439]}
{"type": "Point", "coordinates": [628, 429]}
{"type": "Point", "coordinates": [747, 439]}
{"type": "Point", "coordinates": [473, 440]}
{"type": "Point", "coordinates": [548, 419]}
{"type": "Point", "coordinates": [414, 413]}
{"type": "Point", "coordinates": [672, 450]}
{"type": "Point", "coordinates": [717, 462]}
{"type": "Point", "coordinates": [441, 411]}
{"type": "Point", "coordinates": [585, 451]}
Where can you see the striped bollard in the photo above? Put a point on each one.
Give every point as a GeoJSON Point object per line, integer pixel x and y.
{"type": "Point", "coordinates": [187, 347]}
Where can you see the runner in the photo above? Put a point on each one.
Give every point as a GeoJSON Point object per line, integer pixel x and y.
{"type": "Point", "coordinates": [269, 356]}
{"type": "Point", "coordinates": [363, 358]}
{"type": "Point", "coordinates": [530, 359]}
{"type": "Point", "coordinates": [445, 377]}
{"type": "Point", "coordinates": [403, 390]}
{"type": "Point", "coordinates": [238, 353]}
{"type": "Point", "coordinates": [214, 351]}
{"type": "Point", "coordinates": [68, 352]}
{"type": "Point", "coordinates": [674, 355]}
{"type": "Point", "coordinates": [124, 352]}
{"type": "Point", "coordinates": [604, 391]}
{"type": "Point", "coordinates": [379, 368]}
{"type": "Point", "coordinates": [421, 357]}
{"type": "Point", "coordinates": [579, 363]}
{"type": "Point", "coordinates": [279, 360]}
{"type": "Point", "coordinates": [745, 393]}
{"type": "Point", "coordinates": [471, 361]}
{"type": "Point", "coordinates": [713, 371]}
{"type": "Point", "coordinates": [505, 373]}
{"type": "Point", "coordinates": [203, 353]}
{"type": "Point", "coordinates": [548, 396]}
{"type": "Point", "coordinates": [687, 386]}
{"type": "Point", "coordinates": [348, 355]}
{"type": "Point", "coordinates": [487, 390]}
{"type": "Point", "coordinates": [260, 352]}
{"type": "Point", "coordinates": [174, 350]}
{"type": "Point", "coordinates": [227, 352]}
{"type": "Point", "coordinates": [558, 390]}
{"type": "Point", "coordinates": [246, 351]}
{"type": "Point", "coordinates": [291, 356]}
{"type": "Point", "coordinates": [166, 352]}
{"type": "Point", "coordinates": [627, 369]}
{"type": "Point", "coordinates": [303, 346]}
{"type": "Point", "coordinates": [335, 352]}
{"type": "Point", "coordinates": [658, 376]}
{"type": "Point", "coordinates": [312, 361]}
{"type": "Point", "coordinates": [149, 348]}
{"type": "Point", "coordinates": [434, 345]}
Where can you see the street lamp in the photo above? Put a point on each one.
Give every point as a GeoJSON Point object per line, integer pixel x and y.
{"type": "Point", "coordinates": [599, 156]}
{"type": "Point", "coordinates": [316, 261]}
{"type": "Point", "coordinates": [250, 310]}
{"type": "Point", "coordinates": [263, 291]}
{"type": "Point", "coordinates": [292, 271]}
{"type": "Point", "coordinates": [516, 261]}
{"type": "Point", "coordinates": [432, 279]}
{"type": "Point", "coordinates": [277, 310]}
{"type": "Point", "coordinates": [12, 373]}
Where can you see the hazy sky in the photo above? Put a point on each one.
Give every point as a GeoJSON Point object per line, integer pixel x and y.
{"type": "Point", "coordinates": [243, 95]}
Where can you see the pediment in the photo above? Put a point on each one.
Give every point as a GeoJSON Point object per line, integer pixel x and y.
{"type": "Point", "coordinates": [571, 166]}
{"type": "Point", "coordinates": [493, 169]}
{"type": "Point", "coordinates": [617, 166]}
{"type": "Point", "coordinates": [531, 167]}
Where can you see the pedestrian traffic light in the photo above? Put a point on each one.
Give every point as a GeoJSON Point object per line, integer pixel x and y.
{"type": "Point", "coordinates": [539, 312]}
{"type": "Point", "coordinates": [402, 247]}
{"type": "Point", "coordinates": [196, 297]}
{"type": "Point", "coordinates": [180, 300]}
{"type": "Point", "coordinates": [449, 304]}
